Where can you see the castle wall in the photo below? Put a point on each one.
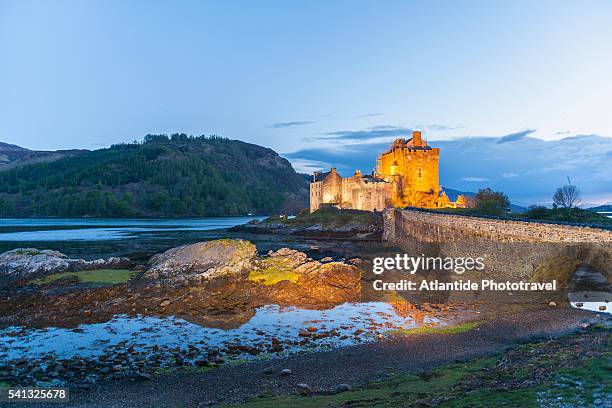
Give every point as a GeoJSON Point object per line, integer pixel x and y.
{"type": "Point", "coordinates": [316, 195]}
{"type": "Point", "coordinates": [363, 195]}
{"type": "Point", "coordinates": [512, 249]}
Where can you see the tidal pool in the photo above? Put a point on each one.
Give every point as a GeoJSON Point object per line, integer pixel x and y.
{"type": "Point", "coordinates": [342, 325]}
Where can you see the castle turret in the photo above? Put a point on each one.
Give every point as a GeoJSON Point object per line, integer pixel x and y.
{"type": "Point", "coordinates": [417, 139]}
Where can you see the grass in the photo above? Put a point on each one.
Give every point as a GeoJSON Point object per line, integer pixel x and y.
{"type": "Point", "coordinates": [456, 329]}
{"type": "Point", "coordinates": [330, 216]}
{"type": "Point", "coordinates": [567, 215]}
{"type": "Point", "coordinates": [548, 373]}
{"type": "Point", "coordinates": [272, 275]}
{"type": "Point", "coordinates": [274, 270]}
{"type": "Point", "coordinates": [98, 276]}
{"type": "Point", "coordinates": [573, 215]}
{"type": "Point", "coordinates": [165, 371]}
{"type": "Point", "coordinates": [395, 391]}
{"type": "Point", "coordinates": [28, 251]}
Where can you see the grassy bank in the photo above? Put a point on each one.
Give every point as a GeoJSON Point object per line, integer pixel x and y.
{"type": "Point", "coordinates": [576, 216]}
{"type": "Point", "coordinates": [97, 277]}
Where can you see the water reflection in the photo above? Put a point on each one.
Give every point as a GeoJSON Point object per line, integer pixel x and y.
{"type": "Point", "coordinates": [590, 290]}
{"type": "Point", "coordinates": [293, 327]}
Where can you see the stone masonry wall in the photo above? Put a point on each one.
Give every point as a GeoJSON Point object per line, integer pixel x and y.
{"type": "Point", "coordinates": [512, 249]}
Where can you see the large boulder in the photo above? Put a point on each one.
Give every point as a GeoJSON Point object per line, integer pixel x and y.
{"type": "Point", "coordinates": [200, 261]}
{"type": "Point", "coordinates": [31, 263]}
{"type": "Point", "coordinates": [291, 277]}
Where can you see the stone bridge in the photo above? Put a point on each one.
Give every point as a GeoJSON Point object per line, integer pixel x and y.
{"type": "Point", "coordinates": [514, 250]}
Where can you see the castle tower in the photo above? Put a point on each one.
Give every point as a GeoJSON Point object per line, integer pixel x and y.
{"type": "Point", "coordinates": [413, 166]}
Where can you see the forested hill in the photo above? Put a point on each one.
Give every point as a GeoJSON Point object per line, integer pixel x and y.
{"type": "Point", "coordinates": [175, 176]}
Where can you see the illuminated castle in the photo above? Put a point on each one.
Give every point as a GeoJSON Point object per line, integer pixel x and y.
{"type": "Point", "coordinates": [405, 175]}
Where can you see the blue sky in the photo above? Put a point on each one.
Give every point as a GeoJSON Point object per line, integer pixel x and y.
{"type": "Point", "coordinates": [297, 76]}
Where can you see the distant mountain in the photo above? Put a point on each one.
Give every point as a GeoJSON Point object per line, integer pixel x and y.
{"type": "Point", "coordinates": [12, 156]}
{"type": "Point", "coordinates": [177, 177]}
{"type": "Point", "coordinates": [453, 194]}
{"type": "Point", "coordinates": [307, 177]}
{"type": "Point", "coordinates": [601, 208]}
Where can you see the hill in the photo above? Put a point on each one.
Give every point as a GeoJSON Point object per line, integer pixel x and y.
{"type": "Point", "coordinates": [453, 194]}
{"type": "Point", "coordinates": [177, 176]}
{"type": "Point", "coordinates": [601, 208]}
{"type": "Point", "coordinates": [12, 156]}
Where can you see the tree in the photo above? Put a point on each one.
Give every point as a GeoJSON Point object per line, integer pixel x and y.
{"type": "Point", "coordinates": [491, 202]}
{"type": "Point", "coordinates": [567, 196]}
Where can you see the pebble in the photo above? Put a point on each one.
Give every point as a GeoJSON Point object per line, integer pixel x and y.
{"type": "Point", "coordinates": [165, 303]}
{"type": "Point", "coordinates": [342, 388]}
{"type": "Point", "coordinates": [285, 371]}
{"type": "Point", "coordinates": [268, 370]}
{"type": "Point", "coordinates": [552, 303]}
{"type": "Point", "coordinates": [139, 376]}
{"type": "Point", "coordinates": [203, 363]}
{"type": "Point", "coordinates": [303, 389]}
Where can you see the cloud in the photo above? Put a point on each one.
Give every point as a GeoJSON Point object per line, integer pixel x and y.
{"type": "Point", "coordinates": [308, 166]}
{"type": "Point", "coordinates": [442, 128]}
{"type": "Point", "coordinates": [376, 132]}
{"type": "Point", "coordinates": [474, 179]}
{"type": "Point", "coordinates": [283, 125]}
{"type": "Point", "coordinates": [368, 115]}
{"type": "Point", "coordinates": [541, 165]}
{"type": "Point", "coordinates": [513, 137]}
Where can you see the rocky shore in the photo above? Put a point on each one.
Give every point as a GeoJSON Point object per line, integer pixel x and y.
{"type": "Point", "coordinates": [327, 223]}
{"type": "Point", "coordinates": [217, 282]}
{"type": "Point", "coordinates": [390, 371]}
{"type": "Point", "coordinates": [221, 285]}
{"type": "Point", "coordinates": [30, 263]}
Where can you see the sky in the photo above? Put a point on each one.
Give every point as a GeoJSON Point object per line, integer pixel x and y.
{"type": "Point", "coordinates": [321, 76]}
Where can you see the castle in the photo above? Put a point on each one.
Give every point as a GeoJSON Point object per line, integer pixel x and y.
{"type": "Point", "coordinates": [405, 175]}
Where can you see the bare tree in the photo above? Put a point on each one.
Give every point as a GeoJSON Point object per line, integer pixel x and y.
{"type": "Point", "coordinates": [567, 196]}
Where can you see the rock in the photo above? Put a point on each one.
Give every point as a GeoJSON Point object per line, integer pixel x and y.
{"type": "Point", "coordinates": [202, 363]}
{"type": "Point", "coordinates": [285, 372]}
{"type": "Point", "coordinates": [585, 325]}
{"type": "Point", "coordinates": [326, 259]}
{"type": "Point", "coordinates": [202, 260]}
{"type": "Point", "coordinates": [140, 376]}
{"type": "Point", "coordinates": [31, 263]}
{"type": "Point", "coordinates": [342, 388]}
{"type": "Point", "coordinates": [552, 303]}
{"type": "Point", "coordinates": [332, 282]}
{"type": "Point", "coordinates": [165, 303]}
{"type": "Point", "coordinates": [268, 370]}
{"type": "Point", "coordinates": [303, 389]}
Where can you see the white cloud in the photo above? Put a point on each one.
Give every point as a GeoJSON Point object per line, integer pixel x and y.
{"type": "Point", "coordinates": [474, 179]}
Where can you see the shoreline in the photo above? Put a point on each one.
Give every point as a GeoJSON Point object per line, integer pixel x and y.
{"type": "Point", "coordinates": [355, 365]}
